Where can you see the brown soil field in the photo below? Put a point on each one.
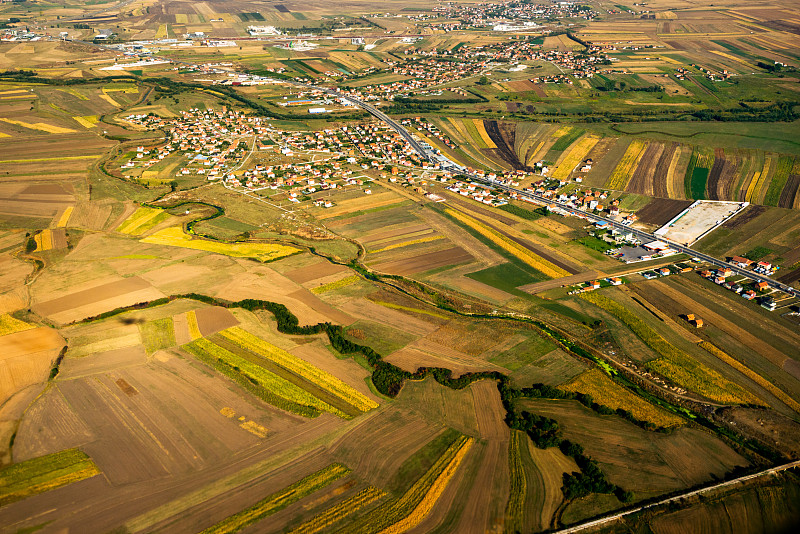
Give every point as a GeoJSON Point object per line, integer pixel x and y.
{"type": "Point", "coordinates": [503, 134]}
{"type": "Point", "coordinates": [318, 305]}
{"type": "Point", "coordinates": [484, 510]}
{"type": "Point", "coordinates": [643, 177]}
{"type": "Point", "coordinates": [660, 211]}
{"type": "Point", "coordinates": [744, 216]}
{"type": "Point", "coordinates": [466, 242]}
{"type": "Point", "coordinates": [314, 271]}
{"type": "Point", "coordinates": [109, 290]}
{"type": "Point", "coordinates": [29, 342]}
{"type": "Point", "coordinates": [391, 232]}
{"type": "Point", "coordinates": [415, 324]}
{"type": "Point", "coordinates": [59, 238]}
{"type": "Point", "coordinates": [544, 474]}
{"type": "Point", "coordinates": [411, 359]}
{"type": "Point", "coordinates": [26, 358]}
{"type": "Point", "coordinates": [472, 338]}
{"type": "Point", "coordinates": [101, 362]}
{"type": "Point", "coordinates": [348, 371]}
{"type": "Point", "coordinates": [660, 175]}
{"type": "Point", "coordinates": [684, 301]}
{"type": "Point", "coordinates": [638, 460]}
{"type": "Point", "coordinates": [789, 192]}
{"type": "Point", "coordinates": [489, 411]}
{"type": "Point", "coordinates": [380, 442]}
{"type": "Point", "coordinates": [212, 319]}
{"type": "Point", "coordinates": [522, 85]}
{"type": "Point", "coordinates": [424, 262]}
{"type": "Point", "coordinates": [92, 216]}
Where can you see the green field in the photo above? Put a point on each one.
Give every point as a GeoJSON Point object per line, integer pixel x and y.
{"type": "Point", "coordinates": [45, 473]}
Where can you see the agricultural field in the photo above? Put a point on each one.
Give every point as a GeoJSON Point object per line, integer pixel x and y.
{"type": "Point", "coordinates": [233, 302]}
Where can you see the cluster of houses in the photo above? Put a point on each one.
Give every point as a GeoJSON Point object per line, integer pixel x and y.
{"type": "Point", "coordinates": [430, 130]}
{"type": "Point", "coordinates": [722, 276]}
{"type": "Point", "coordinates": [761, 267]}
{"type": "Point", "coordinates": [490, 14]}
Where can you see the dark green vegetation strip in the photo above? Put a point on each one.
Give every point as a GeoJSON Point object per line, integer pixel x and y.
{"type": "Point", "coordinates": [45, 473]}
{"type": "Point", "coordinates": [567, 139]}
{"type": "Point", "coordinates": [698, 183]}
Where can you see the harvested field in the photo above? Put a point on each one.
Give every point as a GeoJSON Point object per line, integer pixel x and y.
{"type": "Point", "coordinates": [606, 392]}
{"type": "Point", "coordinates": [424, 262]}
{"type": "Point", "coordinates": [213, 319]}
{"type": "Point", "coordinates": [315, 271]}
{"type": "Point", "coordinates": [788, 198]}
{"type": "Point", "coordinates": [660, 211]}
{"type": "Point", "coordinates": [90, 302]}
{"type": "Point", "coordinates": [743, 217]}
{"type": "Point", "coordinates": [502, 135]}
{"type": "Point", "coordinates": [642, 181]}
{"type": "Point", "coordinates": [26, 358]}
{"type": "Point", "coordinates": [636, 459]}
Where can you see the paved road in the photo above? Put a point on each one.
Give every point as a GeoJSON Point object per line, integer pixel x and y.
{"type": "Point", "coordinates": [608, 519]}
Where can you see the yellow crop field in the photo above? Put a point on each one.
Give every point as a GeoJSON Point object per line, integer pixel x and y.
{"type": "Point", "coordinates": [752, 375]}
{"type": "Point", "coordinates": [433, 494]}
{"type": "Point", "coordinates": [44, 473]}
{"type": "Point", "coordinates": [4, 135]}
{"type": "Point", "coordinates": [162, 31]}
{"type": "Point", "coordinates": [64, 219]}
{"type": "Point", "coordinates": [175, 237]}
{"type": "Point", "coordinates": [41, 126]}
{"type": "Point", "coordinates": [574, 157]}
{"type": "Point", "coordinates": [127, 88]}
{"type": "Point", "coordinates": [279, 500]}
{"type": "Point", "coordinates": [44, 240]}
{"type": "Point", "coordinates": [336, 513]}
{"type": "Point", "coordinates": [605, 391]}
{"type": "Point", "coordinates": [624, 171]}
{"type": "Point", "coordinates": [87, 121]}
{"type": "Point", "coordinates": [479, 126]}
{"type": "Point", "coordinates": [10, 325]}
{"type": "Point", "coordinates": [459, 126]}
{"type": "Point", "coordinates": [194, 329]}
{"type": "Point", "coordinates": [338, 284]}
{"type": "Point", "coordinates": [109, 100]}
{"type": "Point", "coordinates": [322, 379]}
{"type": "Point", "coordinates": [534, 260]}
{"type": "Point", "coordinates": [142, 220]}
{"type": "Point", "coordinates": [674, 363]}
{"type": "Point", "coordinates": [74, 93]}
{"type": "Point", "coordinates": [275, 390]}
{"type": "Point", "coordinates": [759, 178]}
{"type": "Point", "coordinates": [182, 18]}
{"type": "Point", "coordinates": [408, 243]}
{"type": "Point", "coordinates": [254, 428]}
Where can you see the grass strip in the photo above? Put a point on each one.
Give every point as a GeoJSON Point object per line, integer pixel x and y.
{"type": "Point", "coordinates": [45, 473]}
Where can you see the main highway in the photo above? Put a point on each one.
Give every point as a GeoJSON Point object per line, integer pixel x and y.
{"type": "Point", "coordinates": [643, 236]}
